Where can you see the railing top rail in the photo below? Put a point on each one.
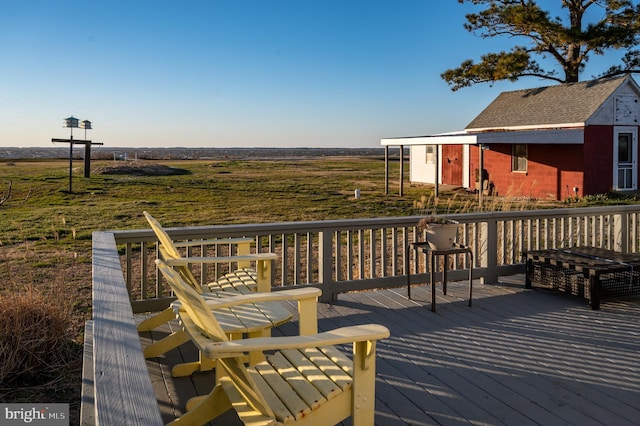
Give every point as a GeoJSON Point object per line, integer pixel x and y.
{"type": "Point", "coordinates": [236, 230]}
{"type": "Point", "coordinates": [123, 393]}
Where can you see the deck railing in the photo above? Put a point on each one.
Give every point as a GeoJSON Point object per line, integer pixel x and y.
{"type": "Point", "coordinates": [337, 256]}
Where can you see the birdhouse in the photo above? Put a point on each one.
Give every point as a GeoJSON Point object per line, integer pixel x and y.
{"type": "Point", "coordinates": [71, 122]}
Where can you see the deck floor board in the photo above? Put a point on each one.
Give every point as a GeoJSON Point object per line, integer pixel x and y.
{"type": "Point", "coordinates": [517, 356]}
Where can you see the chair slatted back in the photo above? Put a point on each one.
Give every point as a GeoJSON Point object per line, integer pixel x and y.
{"type": "Point", "coordinates": [169, 251]}
{"type": "Point", "coordinates": [193, 304]}
{"type": "Point", "coordinates": [202, 316]}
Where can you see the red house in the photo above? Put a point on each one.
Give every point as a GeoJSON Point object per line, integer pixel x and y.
{"type": "Point", "coordinates": [548, 142]}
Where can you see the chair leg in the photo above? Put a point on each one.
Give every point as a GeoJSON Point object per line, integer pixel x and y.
{"type": "Point", "coordinates": [364, 382]}
{"type": "Point", "coordinates": [258, 357]}
{"type": "Point", "coordinates": [204, 409]}
{"type": "Point", "coordinates": [188, 368]}
{"type": "Point", "coordinates": [165, 344]}
{"type": "Point", "coordinates": [157, 320]}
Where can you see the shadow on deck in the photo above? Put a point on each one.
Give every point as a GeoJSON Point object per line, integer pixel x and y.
{"type": "Point", "coordinates": [517, 356]}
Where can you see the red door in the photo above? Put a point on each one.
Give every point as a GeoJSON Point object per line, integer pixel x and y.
{"type": "Point", "coordinates": [452, 165]}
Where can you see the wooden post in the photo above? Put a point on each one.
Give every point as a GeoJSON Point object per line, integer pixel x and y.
{"type": "Point", "coordinates": [436, 181]}
{"type": "Point", "coordinates": [386, 169]}
{"type": "Point", "coordinates": [87, 155]}
{"type": "Point", "coordinates": [481, 174]}
{"type": "Point", "coordinates": [87, 160]}
{"type": "Point", "coordinates": [70, 164]}
{"type": "Point", "coordinates": [401, 169]}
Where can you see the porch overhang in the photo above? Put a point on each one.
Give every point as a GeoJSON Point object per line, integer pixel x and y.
{"type": "Point", "coordinates": [573, 136]}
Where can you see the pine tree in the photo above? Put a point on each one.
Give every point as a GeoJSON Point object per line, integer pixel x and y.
{"type": "Point", "coordinates": [568, 40]}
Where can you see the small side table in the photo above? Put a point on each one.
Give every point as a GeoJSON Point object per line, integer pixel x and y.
{"type": "Point", "coordinates": [424, 247]}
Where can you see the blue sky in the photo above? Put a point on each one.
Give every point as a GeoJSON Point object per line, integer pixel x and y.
{"type": "Point", "coordinates": [235, 73]}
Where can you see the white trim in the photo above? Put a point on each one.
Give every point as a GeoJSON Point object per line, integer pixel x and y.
{"type": "Point", "coordinates": [465, 167]}
{"type": "Point", "coordinates": [634, 156]}
{"type": "Point", "coordinates": [527, 127]}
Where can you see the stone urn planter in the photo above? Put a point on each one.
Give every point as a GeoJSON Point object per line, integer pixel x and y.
{"type": "Point", "coordinates": [441, 233]}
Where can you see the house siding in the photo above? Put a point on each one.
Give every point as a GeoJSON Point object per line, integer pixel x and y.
{"type": "Point", "coordinates": [553, 171]}
{"type": "Point", "coordinates": [598, 159]}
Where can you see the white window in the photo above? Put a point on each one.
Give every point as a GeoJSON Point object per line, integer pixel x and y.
{"type": "Point", "coordinates": [430, 154]}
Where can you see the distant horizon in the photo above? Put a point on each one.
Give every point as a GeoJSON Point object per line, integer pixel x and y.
{"type": "Point", "coordinates": [163, 153]}
{"type": "Point", "coordinates": [79, 146]}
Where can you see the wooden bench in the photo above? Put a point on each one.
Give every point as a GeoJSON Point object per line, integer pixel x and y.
{"type": "Point", "coordinates": [306, 380]}
{"type": "Point", "coordinates": [253, 320]}
{"type": "Point", "coordinates": [592, 272]}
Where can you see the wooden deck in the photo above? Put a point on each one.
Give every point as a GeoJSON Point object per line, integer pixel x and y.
{"type": "Point", "coordinates": [516, 357]}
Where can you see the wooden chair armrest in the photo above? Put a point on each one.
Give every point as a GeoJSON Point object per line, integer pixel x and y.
{"type": "Point", "coordinates": [185, 261]}
{"type": "Point", "coordinates": [307, 304]}
{"type": "Point", "coordinates": [213, 242]}
{"type": "Point", "coordinates": [353, 334]}
{"type": "Point", "coordinates": [223, 300]}
{"type": "Point", "coordinates": [215, 302]}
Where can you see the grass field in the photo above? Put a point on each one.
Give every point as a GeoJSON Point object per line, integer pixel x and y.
{"type": "Point", "coordinates": [45, 230]}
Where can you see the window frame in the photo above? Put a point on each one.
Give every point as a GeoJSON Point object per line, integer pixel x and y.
{"type": "Point", "coordinates": [430, 157]}
{"type": "Point", "coordinates": [519, 160]}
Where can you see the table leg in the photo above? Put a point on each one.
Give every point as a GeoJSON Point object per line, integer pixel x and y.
{"type": "Point", "coordinates": [407, 265]}
{"type": "Point", "coordinates": [433, 283]}
{"type": "Point", "coordinates": [470, 275]}
{"type": "Point", "coordinates": [444, 274]}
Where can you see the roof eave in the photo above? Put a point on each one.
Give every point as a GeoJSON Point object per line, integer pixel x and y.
{"type": "Point", "coordinates": [527, 127]}
{"type": "Point", "coordinates": [571, 136]}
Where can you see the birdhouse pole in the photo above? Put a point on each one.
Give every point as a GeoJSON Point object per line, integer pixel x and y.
{"type": "Point", "coordinates": [71, 123]}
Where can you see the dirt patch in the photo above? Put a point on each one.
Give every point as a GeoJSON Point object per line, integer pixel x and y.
{"type": "Point", "coordinates": [139, 168]}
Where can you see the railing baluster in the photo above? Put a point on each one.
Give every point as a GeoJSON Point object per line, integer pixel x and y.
{"type": "Point", "coordinates": [384, 254]}
{"type": "Point", "coordinates": [350, 237]}
{"type": "Point", "coordinates": [285, 259]}
{"type": "Point", "coordinates": [338, 256]}
{"type": "Point", "coordinates": [361, 256]}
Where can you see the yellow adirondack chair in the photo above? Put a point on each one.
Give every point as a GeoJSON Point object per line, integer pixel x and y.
{"type": "Point", "coordinates": [307, 380]}
{"type": "Point", "coordinates": [255, 319]}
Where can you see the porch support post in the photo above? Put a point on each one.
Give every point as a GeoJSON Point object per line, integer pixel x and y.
{"type": "Point", "coordinates": [386, 169]}
{"type": "Point", "coordinates": [436, 180]}
{"type": "Point", "coordinates": [401, 169]}
{"type": "Point", "coordinates": [480, 174]}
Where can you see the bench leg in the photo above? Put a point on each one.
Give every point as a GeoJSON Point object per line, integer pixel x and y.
{"type": "Point", "coordinates": [528, 273]}
{"type": "Point", "coordinates": [594, 292]}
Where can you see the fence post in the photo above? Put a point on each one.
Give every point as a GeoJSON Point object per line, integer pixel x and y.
{"type": "Point", "coordinates": [325, 265]}
{"type": "Point", "coordinates": [621, 232]}
{"type": "Point", "coordinates": [489, 250]}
